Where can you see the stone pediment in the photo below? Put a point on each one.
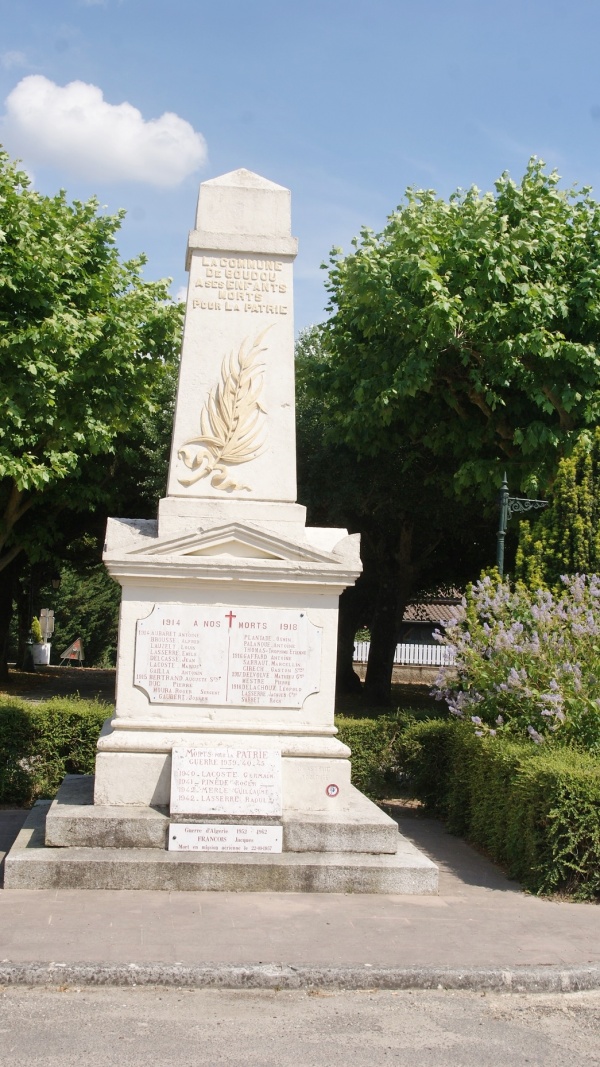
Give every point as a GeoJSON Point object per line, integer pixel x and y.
{"type": "Point", "coordinates": [234, 540]}
{"type": "Point", "coordinates": [243, 179]}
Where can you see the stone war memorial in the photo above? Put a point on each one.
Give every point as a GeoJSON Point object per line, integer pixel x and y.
{"type": "Point", "coordinates": [220, 769]}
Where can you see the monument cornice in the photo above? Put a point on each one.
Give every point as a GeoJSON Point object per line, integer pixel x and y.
{"type": "Point", "coordinates": [260, 244]}
{"type": "Point", "coordinates": [127, 736]}
{"type": "Point", "coordinates": [171, 725]}
{"type": "Point", "coordinates": [276, 574]}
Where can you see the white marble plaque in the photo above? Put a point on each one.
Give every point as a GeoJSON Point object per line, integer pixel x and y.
{"type": "Point", "coordinates": [197, 654]}
{"type": "Point", "coordinates": [226, 781]}
{"type": "Point", "coordinates": [224, 837]}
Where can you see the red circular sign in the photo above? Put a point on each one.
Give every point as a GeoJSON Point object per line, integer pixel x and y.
{"type": "Point", "coordinates": [332, 790]}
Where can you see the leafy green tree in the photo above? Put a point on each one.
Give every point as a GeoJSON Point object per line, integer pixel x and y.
{"type": "Point", "coordinates": [87, 348]}
{"type": "Point", "coordinates": [566, 537]}
{"type": "Point", "coordinates": [463, 341]}
{"type": "Point", "coordinates": [83, 339]}
{"type": "Point", "coordinates": [127, 482]}
{"type": "Point", "coordinates": [86, 606]}
{"type": "Point", "coordinates": [470, 327]}
{"type": "Point", "coordinates": [140, 461]}
{"type": "Point", "coordinates": [412, 538]}
{"type": "Point", "coordinates": [133, 478]}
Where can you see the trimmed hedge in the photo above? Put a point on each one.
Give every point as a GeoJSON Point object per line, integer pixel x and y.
{"type": "Point", "coordinates": [533, 809]}
{"type": "Point", "coordinates": [372, 744]}
{"type": "Point", "coordinates": [40, 743]}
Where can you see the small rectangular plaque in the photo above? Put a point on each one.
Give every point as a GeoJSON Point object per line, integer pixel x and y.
{"type": "Point", "coordinates": [224, 837]}
{"type": "Point", "coordinates": [226, 781]}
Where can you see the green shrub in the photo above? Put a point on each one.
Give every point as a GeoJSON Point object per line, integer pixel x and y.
{"type": "Point", "coordinates": [534, 809]}
{"type": "Point", "coordinates": [559, 796]}
{"type": "Point", "coordinates": [40, 743]}
{"type": "Point", "coordinates": [36, 631]}
{"type": "Point", "coordinates": [527, 662]}
{"type": "Point", "coordinates": [422, 757]}
{"type": "Point", "coordinates": [16, 735]}
{"type": "Point", "coordinates": [372, 745]}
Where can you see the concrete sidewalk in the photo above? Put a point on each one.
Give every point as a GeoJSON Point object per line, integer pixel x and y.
{"type": "Point", "coordinates": [481, 931]}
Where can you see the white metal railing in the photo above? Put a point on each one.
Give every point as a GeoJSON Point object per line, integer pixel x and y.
{"type": "Point", "coordinates": [420, 655]}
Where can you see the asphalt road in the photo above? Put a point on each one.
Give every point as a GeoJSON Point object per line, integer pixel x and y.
{"type": "Point", "coordinates": [194, 1028]}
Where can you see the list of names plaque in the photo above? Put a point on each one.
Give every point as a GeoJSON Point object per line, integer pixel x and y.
{"type": "Point", "coordinates": [198, 654]}
{"type": "Point", "coordinates": [225, 781]}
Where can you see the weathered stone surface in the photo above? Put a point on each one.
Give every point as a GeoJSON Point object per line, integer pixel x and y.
{"type": "Point", "coordinates": [252, 657]}
{"type": "Point", "coordinates": [74, 821]}
{"type": "Point", "coordinates": [360, 827]}
{"type": "Point", "coordinates": [31, 865]}
{"type": "Point", "coordinates": [126, 776]}
{"type": "Point", "coordinates": [239, 310]}
{"type": "Point", "coordinates": [555, 978]}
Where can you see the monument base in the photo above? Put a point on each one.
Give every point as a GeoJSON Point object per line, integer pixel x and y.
{"type": "Point", "coordinates": [74, 844]}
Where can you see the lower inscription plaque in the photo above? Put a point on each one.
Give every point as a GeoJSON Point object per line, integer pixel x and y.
{"type": "Point", "coordinates": [199, 654]}
{"type": "Point", "coordinates": [224, 837]}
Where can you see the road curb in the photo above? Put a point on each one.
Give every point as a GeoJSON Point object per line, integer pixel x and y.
{"type": "Point", "coordinates": [543, 979]}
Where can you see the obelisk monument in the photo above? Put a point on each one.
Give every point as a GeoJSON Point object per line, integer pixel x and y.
{"type": "Point", "coordinates": [223, 744]}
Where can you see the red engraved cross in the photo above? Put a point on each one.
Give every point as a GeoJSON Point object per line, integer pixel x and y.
{"type": "Point", "coordinates": [231, 617]}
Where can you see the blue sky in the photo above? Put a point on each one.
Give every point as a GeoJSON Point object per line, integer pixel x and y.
{"type": "Point", "coordinates": [346, 102]}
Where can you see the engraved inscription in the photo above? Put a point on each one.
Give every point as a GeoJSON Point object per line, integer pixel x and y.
{"type": "Point", "coordinates": [223, 837]}
{"type": "Point", "coordinates": [238, 284]}
{"type": "Point", "coordinates": [226, 781]}
{"type": "Point", "coordinates": [197, 654]}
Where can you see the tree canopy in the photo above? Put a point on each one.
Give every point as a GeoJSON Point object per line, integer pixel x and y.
{"type": "Point", "coordinates": [463, 341]}
{"type": "Point", "coordinates": [471, 327]}
{"type": "Point", "coordinates": [411, 537]}
{"type": "Point", "coordinates": [566, 538]}
{"type": "Point", "coordinates": [84, 340]}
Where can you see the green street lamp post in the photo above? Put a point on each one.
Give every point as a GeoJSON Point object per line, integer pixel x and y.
{"type": "Point", "coordinates": [511, 505]}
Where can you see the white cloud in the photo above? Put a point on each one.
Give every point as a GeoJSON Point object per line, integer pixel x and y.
{"type": "Point", "coordinates": [74, 127]}
{"type": "Point", "coordinates": [181, 295]}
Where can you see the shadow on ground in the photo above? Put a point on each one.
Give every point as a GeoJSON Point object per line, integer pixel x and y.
{"type": "Point", "coordinates": [93, 683]}
{"type": "Point", "coordinates": [456, 859]}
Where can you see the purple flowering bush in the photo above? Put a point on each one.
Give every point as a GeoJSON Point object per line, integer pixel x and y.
{"type": "Point", "coordinates": [527, 663]}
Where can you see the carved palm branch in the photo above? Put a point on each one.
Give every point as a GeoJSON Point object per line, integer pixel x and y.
{"type": "Point", "coordinates": [231, 422]}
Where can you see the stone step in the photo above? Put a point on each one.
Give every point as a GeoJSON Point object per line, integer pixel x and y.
{"type": "Point", "coordinates": [32, 865]}
{"type": "Point", "coordinates": [74, 821]}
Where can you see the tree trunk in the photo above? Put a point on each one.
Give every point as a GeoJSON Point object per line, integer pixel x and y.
{"type": "Point", "coordinates": [398, 580]}
{"type": "Point", "coordinates": [352, 615]}
{"type": "Point", "coordinates": [27, 593]}
{"type": "Point", "coordinates": [7, 584]}
{"type": "Point", "coordinates": [383, 645]}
